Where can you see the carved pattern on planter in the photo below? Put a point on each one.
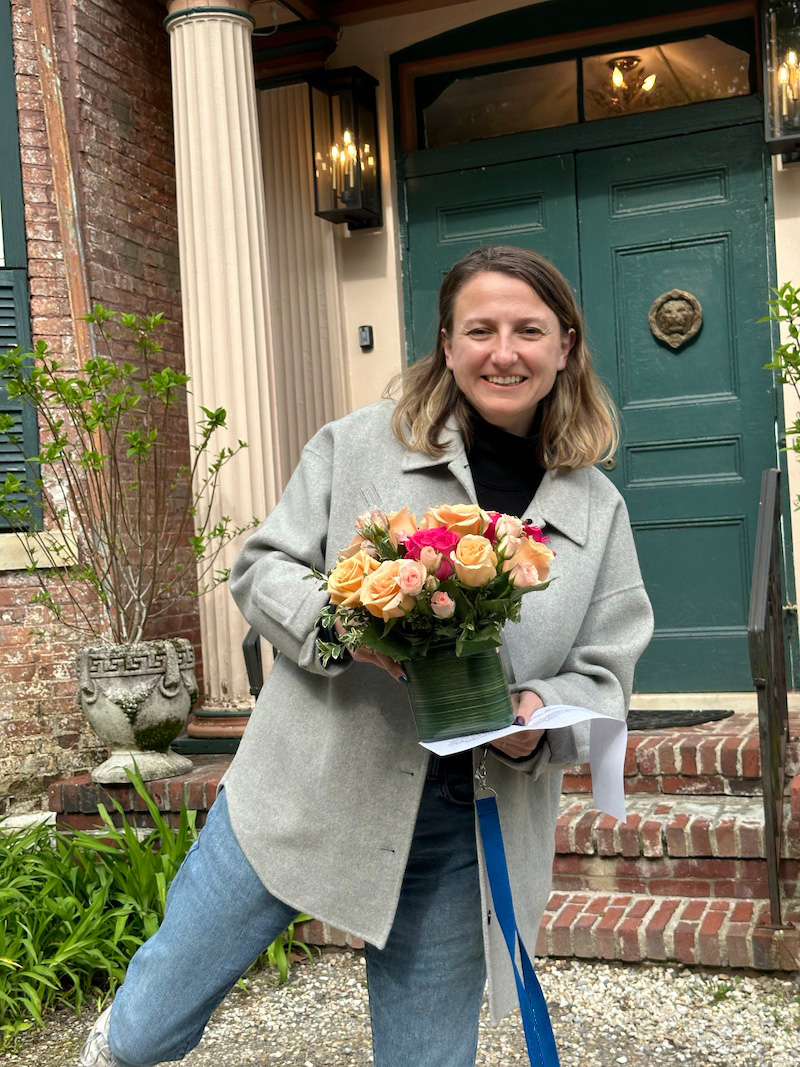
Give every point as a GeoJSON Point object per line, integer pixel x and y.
{"type": "Point", "coordinates": [137, 699]}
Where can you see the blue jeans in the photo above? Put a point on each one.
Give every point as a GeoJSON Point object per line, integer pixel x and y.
{"type": "Point", "coordinates": [425, 986]}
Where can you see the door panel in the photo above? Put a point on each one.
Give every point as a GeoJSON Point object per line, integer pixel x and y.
{"type": "Point", "coordinates": [698, 422]}
{"type": "Point", "coordinates": [530, 204]}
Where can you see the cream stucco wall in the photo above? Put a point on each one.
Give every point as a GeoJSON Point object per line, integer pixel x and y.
{"type": "Point", "coordinates": [369, 261]}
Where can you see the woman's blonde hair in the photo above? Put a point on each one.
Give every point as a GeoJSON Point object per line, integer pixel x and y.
{"type": "Point", "coordinates": [579, 424]}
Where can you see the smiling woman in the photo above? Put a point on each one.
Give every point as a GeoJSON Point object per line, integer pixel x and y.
{"type": "Point", "coordinates": [511, 347]}
{"type": "Point", "coordinates": [505, 349]}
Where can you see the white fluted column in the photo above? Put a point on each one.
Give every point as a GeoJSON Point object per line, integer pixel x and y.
{"type": "Point", "coordinates": [225, 287]}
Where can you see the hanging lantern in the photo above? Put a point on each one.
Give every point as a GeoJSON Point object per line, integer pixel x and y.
{"type": "Point", "coordinates": [344, 130]}
{"type": "Point", "coordinates": [781, 33]}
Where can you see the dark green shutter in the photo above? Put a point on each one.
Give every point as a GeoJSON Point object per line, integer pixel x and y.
{"type": "Point", "coordinates": [15, 330]}
{"type": "Point", "coordinates": [15, 320]}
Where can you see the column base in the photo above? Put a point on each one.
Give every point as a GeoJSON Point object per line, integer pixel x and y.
{"type": "Point", "coordinates": [212, 730]}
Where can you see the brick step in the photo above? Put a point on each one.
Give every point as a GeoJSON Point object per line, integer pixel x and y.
{"type": "Point", "coordinates": [718, 758]}
{"type": "Point", "coordinates": [696, 848]}
{"type": "Point", "coordinates": [698, 826]}
{"type": "Point", "coordinates": [635, 927]}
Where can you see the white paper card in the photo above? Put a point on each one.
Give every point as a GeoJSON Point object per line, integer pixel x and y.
{"type": "Point", "coordinates": [607, 740]}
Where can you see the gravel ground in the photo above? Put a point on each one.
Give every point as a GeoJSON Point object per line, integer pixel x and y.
{"type": "Point", "coordinates": [603, 1015]}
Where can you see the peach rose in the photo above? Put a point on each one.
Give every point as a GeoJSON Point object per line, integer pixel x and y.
{"type": "Point", "coordinates": [358, 545]}
{"type": "Point", "coordinates": [402, 524]}
{"type": "Point", "coordinates": [531, 553]}
{"type": "Point", "coordinates": [381, 594]}
{"type": "Point", "coordinates": [411, 576]}
{"type": "Point", "coordinates": [344, 581]}
{"type": "Point", "coordinates": [460, 519]}
{"type": "Point", "coordinates": [475, 560]}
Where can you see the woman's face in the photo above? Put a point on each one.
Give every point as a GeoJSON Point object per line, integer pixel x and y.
{"type": "Point", "coordinates": [505, 349]}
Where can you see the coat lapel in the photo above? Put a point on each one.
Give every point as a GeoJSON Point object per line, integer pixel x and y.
{"type": "Point", "coordinates": [561, 501]}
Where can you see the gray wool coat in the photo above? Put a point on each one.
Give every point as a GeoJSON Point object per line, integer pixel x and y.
{"type": "Point", "coordinates": [324, 790]}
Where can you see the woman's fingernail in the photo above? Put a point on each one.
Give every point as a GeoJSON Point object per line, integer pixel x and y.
{"type": "Point", "coordinates": [519, 721]}
{"type": "Point", "coordinates": [403, 678]}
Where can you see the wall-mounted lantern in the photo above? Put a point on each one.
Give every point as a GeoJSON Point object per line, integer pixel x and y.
{"type": "Point", "coordinates": [344, 130]}
{"type": "Point", "coordinates": [780, 28]}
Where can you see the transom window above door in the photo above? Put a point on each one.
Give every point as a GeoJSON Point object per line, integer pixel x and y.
{"type": "Point", "coordinates": [555, 88]}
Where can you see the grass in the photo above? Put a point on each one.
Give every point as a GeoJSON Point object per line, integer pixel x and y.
{"type": "Point", "coordinates": [75, 906]}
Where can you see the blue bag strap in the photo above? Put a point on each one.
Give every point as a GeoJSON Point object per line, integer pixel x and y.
{"type": "Point", "coordinates": [535, 1017]}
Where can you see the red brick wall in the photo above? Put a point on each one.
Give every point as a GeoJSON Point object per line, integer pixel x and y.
{"type": "Point", "coordinates": [114, 65]}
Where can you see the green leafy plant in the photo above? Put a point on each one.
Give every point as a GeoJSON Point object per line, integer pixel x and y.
{"type": "Point", "coordinates": [75, 906]}
{"type": "Point", "coordinates": [122, 518]}
{"type": "Point", "coordinates": [785, 310]}
{"type": "Point", "coordinates": [279, 953]}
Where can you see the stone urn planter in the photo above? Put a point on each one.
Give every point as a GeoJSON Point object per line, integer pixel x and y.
{"type": "Point", "coordinates": [137, 698]}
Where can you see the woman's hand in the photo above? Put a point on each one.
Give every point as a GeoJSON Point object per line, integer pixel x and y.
{"type": "Point", "coordinates": [517, 746]}
{"type": "Point", "coordinates": [377, 659]}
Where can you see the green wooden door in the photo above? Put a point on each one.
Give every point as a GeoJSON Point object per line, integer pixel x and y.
{"type": "Point", "coordinates": [529, 204]}
{"type": "Point", "coordinates": [685, 213]}
{"type": "Point", "coordinates": [626, 225]}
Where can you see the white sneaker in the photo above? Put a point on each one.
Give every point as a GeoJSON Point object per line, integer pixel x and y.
{"type": "Point", "coordinates": [96, 1053]}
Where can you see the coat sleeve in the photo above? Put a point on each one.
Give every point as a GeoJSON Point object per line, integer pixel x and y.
{"type": "Point", "coordinates": [271, 581]}
{"type": "Point", "coordinates": [597, 672]}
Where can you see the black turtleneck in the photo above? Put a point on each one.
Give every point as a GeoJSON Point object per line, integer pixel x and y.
{"type": "Point", "coordinates": [505, 468]}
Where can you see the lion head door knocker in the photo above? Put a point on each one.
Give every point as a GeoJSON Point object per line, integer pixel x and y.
{"type": "Point", "coordinates": [675, 318]}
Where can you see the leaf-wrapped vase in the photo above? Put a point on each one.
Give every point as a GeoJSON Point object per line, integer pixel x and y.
{"type": "Point", "coordinates": [452, 696]}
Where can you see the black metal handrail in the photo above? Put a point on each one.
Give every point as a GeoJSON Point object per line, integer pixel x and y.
{"type": "Point", "coordinates": [251, 646]}
{"type": "Point", "coordinates": [768, 666]}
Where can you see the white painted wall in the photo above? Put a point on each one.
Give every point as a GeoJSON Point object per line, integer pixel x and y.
{"type": "Point", "coordinates": [369, 261]}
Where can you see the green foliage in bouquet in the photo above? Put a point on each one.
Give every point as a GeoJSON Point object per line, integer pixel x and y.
{"type": "Point", "coordinates": [122, 518]}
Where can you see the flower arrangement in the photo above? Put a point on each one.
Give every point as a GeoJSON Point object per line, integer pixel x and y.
{"type": "Point", "coordinates": [458, 575]}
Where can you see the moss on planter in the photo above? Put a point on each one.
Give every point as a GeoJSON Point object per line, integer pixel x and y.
{"type": "Point", "coordinates": [157, 738]}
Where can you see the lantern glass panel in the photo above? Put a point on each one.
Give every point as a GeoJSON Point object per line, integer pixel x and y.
{"type": "Point", "coordinates": [324, 179]}
{"type": "Point", "coordinates": [368, 159]}
{"type": "Point", "coordinates": [783, 69]}
{"type": "Point", "coordinates": [336, 162]}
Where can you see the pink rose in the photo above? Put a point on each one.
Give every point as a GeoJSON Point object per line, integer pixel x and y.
{"type": "Point", "coordinates": [442, 605]}
{"type": "Point", "coordinates": [430, 558]}
{"type": "Point", "coordinates": [442, 541]}
{"type": "Point", "coordinates": [524, 575]}
{"type": "Point", "coordinates": [411, 576]}
{"type": "Point", "coordinates": [536, 534]}
{"type": "Point", "coordinates": [533, 553]}
{"type": "Point", "coordinates": [507, 526]}
{"type": "Point", "coordinates": [509, 545]}
{"type": "Point", "coordinates": [372, 518]}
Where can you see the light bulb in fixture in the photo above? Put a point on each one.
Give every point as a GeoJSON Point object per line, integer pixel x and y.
{"type": "Point", "coordinates": [649, 82]}
{"type": "Point", "coordinates": [617, 78]}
